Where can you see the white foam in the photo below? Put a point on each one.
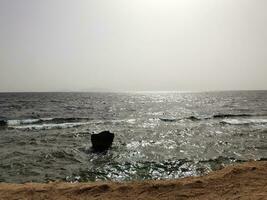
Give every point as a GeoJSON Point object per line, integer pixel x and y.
{"type": "Point", "coordinates": [131, 121]}
{"type": "Point", "coordinates": [14, 122]}
{"type": "Point", "coordinates": [133, 145]}
{"type": "Point", "coordinates": [244, 121]}
{"type": "Point", "coordinates": [168, 144]}
{"type": "Point", "coordinates": [46, 123]}
{"type": "Point", "coordinates": [48, 126]}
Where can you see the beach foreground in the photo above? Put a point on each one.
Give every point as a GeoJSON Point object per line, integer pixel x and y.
{"type": "Point", "coordinates": [240, 181]}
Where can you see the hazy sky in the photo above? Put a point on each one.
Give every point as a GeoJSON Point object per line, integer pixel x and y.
{"type": "Point", "coordinates": [83, 45]}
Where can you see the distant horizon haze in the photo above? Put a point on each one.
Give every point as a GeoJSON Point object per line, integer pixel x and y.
{"type": "Point", "coordinates": [141, 45]}
{"type": "Point", "coordinates": [134, 91]}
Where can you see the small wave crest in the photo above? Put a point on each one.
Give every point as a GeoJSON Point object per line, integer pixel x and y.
{"type": "Point", "coordinates": [44, 123]}
{"type": "Point", "coordinates": [244, 121]}
{"type": "Point", "coordinates": [168, 119]}
{"type": "Point", "coordinates": [233, 115]}
{"type": "Point", "coordinates": [49, 126]}
{"type": "Point", "coordinates": [16, 122]}
{"type": "Point", "coordinates": [56, 123]}
{"type": "Point", "coordinates": [215, 116]}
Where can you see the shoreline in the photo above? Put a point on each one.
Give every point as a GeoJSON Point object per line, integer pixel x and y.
{"type": "Point", "coordinates": [239, 181]}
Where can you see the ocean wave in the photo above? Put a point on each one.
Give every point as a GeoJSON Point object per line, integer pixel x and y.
{"type": "Point", "coordinates": [16, 122]}
{"type": "Point", "coordinates": [166, 143]}
{"type": "Point", "coordinates": [168, 119]}
{"type": "Point", "coordinates": [68, 119]}
{"type": "Point", "coordinates": [192, 118]}
{"type": "Point", "coordinates": [44, 123]}
{"type": "Point", "coordinates": [223, 116]}
{"type": "Point", "coordinates": [56, 123]}
{"type": "Point", "coordinates": [234, 115]}
{"type": "Point", "coordinates": [48, 126]}
{"type": "Point", "coordinates": [244, 121]}
{"type": "Point", "coordinates": [216, 116]}
{"type": "Point", "coordinates": [141, 170]}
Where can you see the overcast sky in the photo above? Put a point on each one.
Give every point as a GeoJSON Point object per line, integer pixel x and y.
{"type": "Point", "coordinates": [88, 45]}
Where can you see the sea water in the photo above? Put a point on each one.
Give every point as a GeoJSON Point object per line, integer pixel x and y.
{"type": "Point", "coordinates": [46, 136]}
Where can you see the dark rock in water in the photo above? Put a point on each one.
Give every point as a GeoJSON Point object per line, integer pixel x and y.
{"type": "Point", "coordinates": [3, 122]}
{"type": "Point", "coordinates": [102, 141]}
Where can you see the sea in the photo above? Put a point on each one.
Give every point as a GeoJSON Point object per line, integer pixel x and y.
{"type": "Point", "coordinates": [158, 135]}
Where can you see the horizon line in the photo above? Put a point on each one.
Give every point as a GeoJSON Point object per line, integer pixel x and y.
{"type": "Point", "coordinates": [136, 91]}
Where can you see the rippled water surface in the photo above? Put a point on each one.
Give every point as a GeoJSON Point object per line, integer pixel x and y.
{"type": "Point", "coordinates": [46, 136]}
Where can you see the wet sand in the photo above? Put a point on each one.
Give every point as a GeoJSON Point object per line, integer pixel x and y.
{"type": "Point", "coordinates": [240, 181]}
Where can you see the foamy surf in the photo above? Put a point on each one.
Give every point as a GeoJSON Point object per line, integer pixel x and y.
{"type": "Point", "coordinates": [244, 121]}
{"type": "Point", "coordinates": [58, 123]}
{"type": "Point", "coordinates": [49, 126]}
{"type": "Point", "coordinates": [15, 122]}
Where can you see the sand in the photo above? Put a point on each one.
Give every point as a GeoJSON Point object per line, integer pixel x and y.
{"type": "Point", "coordinates": [240, 181]}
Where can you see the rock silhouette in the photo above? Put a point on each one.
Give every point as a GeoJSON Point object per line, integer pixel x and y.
{"type": "Point", "coordinates": [102, 141]}
{"type": "Point", "coordinates": [3, 122]}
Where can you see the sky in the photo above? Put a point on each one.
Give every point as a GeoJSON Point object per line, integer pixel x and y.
{"type": "Point", "coordinates": [133, 45]}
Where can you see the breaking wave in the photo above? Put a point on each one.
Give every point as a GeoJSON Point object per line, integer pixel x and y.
{"type": "Point", "coordinates": [70, 122]}
{"type": "Point", "coordinates": [244, 121]}
{"type": "Point", "coordinates": [49, 126]}
{"type": "Point", "coordinates": [44, 123]}
{"type": "Point", "coordinates": [15, 122]}
{"type": "Point", "coordinates": [216, 116]}
{"type": "Point", "coordinates": [234, 115]}
{"type": "Point", "coordinates": [55, 123]}
{"type": "Point", "coordinates": [168, 119]}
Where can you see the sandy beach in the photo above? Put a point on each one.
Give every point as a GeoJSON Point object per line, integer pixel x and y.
{"type": "Point", "coordinates": [240, 181]}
